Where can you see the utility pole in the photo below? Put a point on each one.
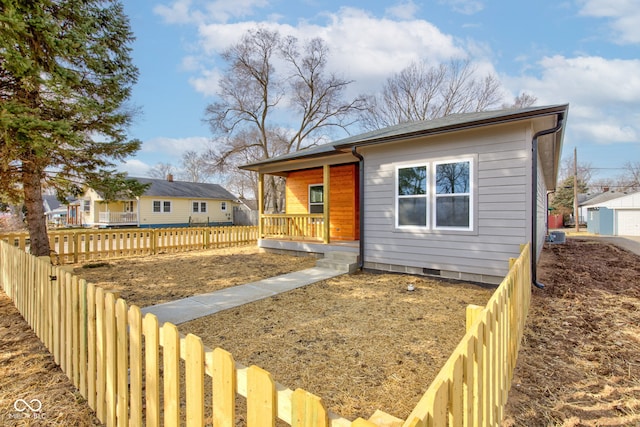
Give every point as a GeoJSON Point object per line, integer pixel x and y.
{"type": "Point", "coordinates": [576, 218]}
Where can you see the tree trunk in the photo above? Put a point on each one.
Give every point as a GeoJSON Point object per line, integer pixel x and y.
{"type": "Point", "coordinates": [36, 220]}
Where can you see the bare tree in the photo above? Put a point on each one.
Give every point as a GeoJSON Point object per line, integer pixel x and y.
{"type": "Point", "coordinates": [585, 170]}
{"type": "Point", "coordinates": [423, 92]}
{"type": "Point", "coordinates": [523, 100]}
{"type": "Point", "coordinates": [252, 96]}
{"type": "Point", "coordinates": [161, 170]}
{"type": "Point", "coordinates": [194, 167]}
{"type": "Point", "coordinates": [603, 185]}
{"type": "Point", "coordinates": [630, 178]}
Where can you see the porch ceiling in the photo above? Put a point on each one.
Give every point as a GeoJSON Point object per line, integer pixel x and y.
{"type": "Point", "coordinates": [283, 167]}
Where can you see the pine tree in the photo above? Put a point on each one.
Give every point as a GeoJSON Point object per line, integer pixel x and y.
{"type": "Point", "coordinates": [563, 198]}
{"type": "Point", "coordinates": [65, 78]}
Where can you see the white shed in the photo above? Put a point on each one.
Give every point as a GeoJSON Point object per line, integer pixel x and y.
{"type": "Point", "coordinates": [626, 214]}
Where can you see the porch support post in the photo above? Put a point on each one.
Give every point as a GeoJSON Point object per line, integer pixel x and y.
{"type": "Point", "coordinates": [260, 203]}
{"type": "Point", "coordinates": [326, 172]}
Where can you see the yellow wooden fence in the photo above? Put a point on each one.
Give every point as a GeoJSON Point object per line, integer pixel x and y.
{"type": "Point", "coordinates": [472, 387]}
{"type": "Point", "coordinates": [132, 371]}
{"type": "Point", "coordinates": [72, 246]}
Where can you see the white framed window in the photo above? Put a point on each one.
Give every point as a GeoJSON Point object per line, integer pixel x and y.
{"type": "Point", "coordinates": [453, 206]}
{"type": "Point", "coordinates": [316, 198]}
{"type": "Point", "coordinates": [199, 207]}
{"type": "Point", "coordinates": [412, 196]}
{"type": "Point", "coordinates": [161, 206]}
{"type": "Point", "coordinates": [223, 206]}
{"type": "Point", "coordinates": [435, 195]}
{"type": "Point", "coordinates": [86, 205]}
{"type": "Point", "coordinates": [127, 206]}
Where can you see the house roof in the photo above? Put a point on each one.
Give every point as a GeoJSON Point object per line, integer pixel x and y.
{"type": "Point", "coordinates": [447, 124]}
{"type": "Point", "coordinates": [252, 204]}
{"type": "Point", "coordinates": [183, 189]}
{"type": "Point", "coordinates": [624, 201]}
{"type": "Point", "coordinates": [601, 198]}
{"type": "Point", "coordinates": [50, 202]}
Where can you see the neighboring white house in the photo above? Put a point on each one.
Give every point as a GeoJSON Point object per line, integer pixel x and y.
{"type": "Point", "coordinates": [453, 197]}
{"type": "Point", "coordinates": [55, 211]}
{"type": "Point", "coordinates": [166, 203]}
{"type": "Point", "coordinates": [619, 216]}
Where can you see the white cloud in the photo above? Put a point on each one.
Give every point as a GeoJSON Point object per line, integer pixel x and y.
{"type": "Point", "coordinates": [173, 148]}
{"type": "Point", "coordinates": [185, 11]}
{"type": "Point", "coordinates": [207, 82]}
{"type": "Point", "coordinates": [177, 13]}
{"type": "Point", "coordinates": [406, 10]}
{"type": "Point", "coordinates": [135, 168]}
{"type": "Point", "coordinates": [466, 7]}
{"type": "Point", "coordinates": [604, 95]}
{"type": "Point", "coordinates": [623, 14]}
{"type": "Point", "coordinates": [362, 47]}
{"type": "Point", "coordinates": [589, 78]}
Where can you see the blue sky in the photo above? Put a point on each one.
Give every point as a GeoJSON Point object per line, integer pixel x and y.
{"type": "Point", "coordinates": [582, 52]}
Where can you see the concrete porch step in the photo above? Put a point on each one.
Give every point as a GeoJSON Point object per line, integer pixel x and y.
{"type": "Point", "coordinates": [344, 262]}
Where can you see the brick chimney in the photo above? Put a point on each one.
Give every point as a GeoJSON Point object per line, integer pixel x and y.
{"type": "Point", "coordinates": [170, 177]}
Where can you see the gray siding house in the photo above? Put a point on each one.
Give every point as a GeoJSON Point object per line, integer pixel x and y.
{"type": "Point", "coordinates": [453, 197]}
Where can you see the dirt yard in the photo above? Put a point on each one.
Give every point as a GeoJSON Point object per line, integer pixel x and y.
{"type": "Point", "coordinates": [579, 364]}
{"type": "Point", "coordinates": [363, 342]}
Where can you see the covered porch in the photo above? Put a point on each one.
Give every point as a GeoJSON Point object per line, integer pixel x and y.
{"type": "Point", "coordinates": [117, 214]}
{"type": "Point", "coordinates": [321, 208]}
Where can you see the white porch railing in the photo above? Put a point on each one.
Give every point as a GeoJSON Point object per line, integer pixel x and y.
{"type": "Point", "coordinates": [118, 218]}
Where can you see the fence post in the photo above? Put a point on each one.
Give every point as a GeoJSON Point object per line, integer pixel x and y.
{"type": "Point", "coordinates": [307, 410]}
{"type": "Point", "coordinates": [261, 397]}
{"type": "Point", "coordinates": [194, 379]}
{"type": "Point", "coordinates": [224, 381]}
{"type": "Point", "coordinates": [473, 311]}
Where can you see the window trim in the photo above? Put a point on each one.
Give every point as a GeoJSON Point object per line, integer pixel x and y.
{"type": "Point", "coordinates": [200, 206]}
{"type": "Point", "coordinates": [469, 194]}
{"type": "Point", "coordinates": [431, 196]}
{"type": "Point", "coordinates": [309, 204]}
{"type": "Point", "coordinates": [223, 206]}
{"type": "Point", "coordinates": [426, 196]}
{"type": "Point", "coordinates": [162, 204]}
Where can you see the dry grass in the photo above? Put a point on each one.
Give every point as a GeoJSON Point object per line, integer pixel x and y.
{"type": "Point", "coordinates": [156, 279]}
{"type": "Point", "coordinates": [363, 342]}
{"type": "Point", "coordinates": [28, 372]}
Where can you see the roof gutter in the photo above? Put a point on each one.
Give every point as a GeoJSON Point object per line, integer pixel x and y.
{"type": "Point", "coordinates": [360, 202]}
{"type": "Point", "coordinates": [534, 200]}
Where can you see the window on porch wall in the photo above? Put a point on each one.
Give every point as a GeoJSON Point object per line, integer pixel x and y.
{"type": "Point", "coordinates": [316, 199]}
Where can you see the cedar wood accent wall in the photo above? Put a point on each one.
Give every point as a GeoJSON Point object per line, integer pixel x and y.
{"type": "Point", "coordinates": [343, 193]}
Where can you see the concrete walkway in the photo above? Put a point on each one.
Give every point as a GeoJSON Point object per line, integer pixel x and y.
{"type": "Point", "coordinates": [191, 308]}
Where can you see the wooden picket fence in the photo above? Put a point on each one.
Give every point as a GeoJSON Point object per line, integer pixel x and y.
{"type": "Point", "coordinates": [132, 371]}
{"type": "Point", "coordinates": [80, 245]}
{"type": "Point", "coordinates": [472, 387]}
